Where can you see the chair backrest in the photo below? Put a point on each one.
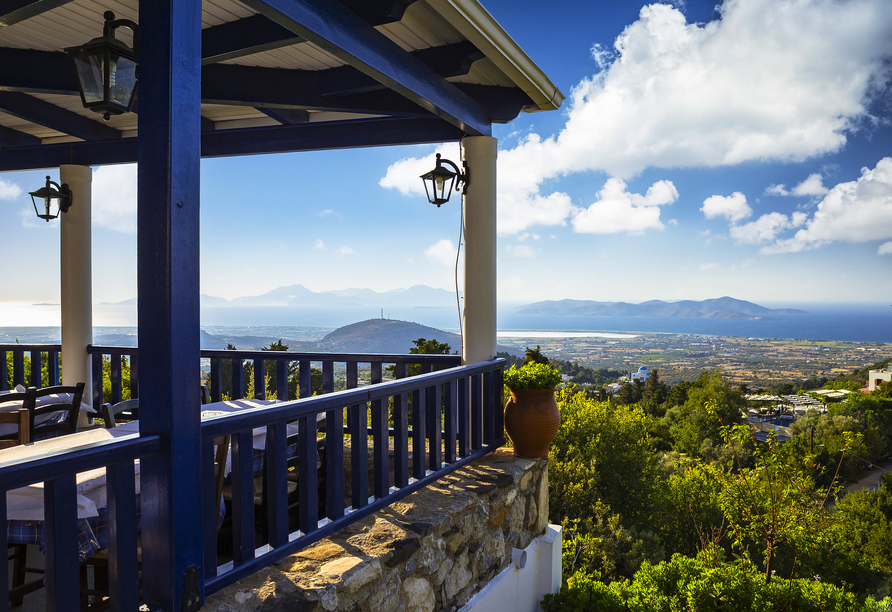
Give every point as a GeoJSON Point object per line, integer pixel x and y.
{"type": "Point", "coordinates": [109, 412]}
{"type": "Point", "coordinates": [205, 395]}
{"type": "Point", "coordinates": [71, 407]}
{"type": "Point", "coordinates": [22, 418]}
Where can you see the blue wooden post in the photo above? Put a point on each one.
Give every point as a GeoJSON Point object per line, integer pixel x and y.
{"type": "Point", "coordinates": [168, 263]}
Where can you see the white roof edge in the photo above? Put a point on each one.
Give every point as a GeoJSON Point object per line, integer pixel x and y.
{"type": "Point", "coordinates": [476, 24]}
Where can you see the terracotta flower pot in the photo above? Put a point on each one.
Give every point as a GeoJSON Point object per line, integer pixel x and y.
{"type": "Point", "coordinates": [532, 419]}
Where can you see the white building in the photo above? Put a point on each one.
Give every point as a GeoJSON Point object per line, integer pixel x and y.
{"type": "Point", "coordinates": [878, 377]}
{"type": "Point", "coordinates": [641, 374]}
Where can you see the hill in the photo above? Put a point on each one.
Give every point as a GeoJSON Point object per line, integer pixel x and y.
{"type": "Point", "coordinates": [718, 308]}
{"type": "Point", "coordinates": [383, 336]}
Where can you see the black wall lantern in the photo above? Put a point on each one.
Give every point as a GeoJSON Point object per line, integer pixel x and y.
{"type": "Point", "coordinates": [106, 69]}
{"type": "Point", "coordinates": [53, 200]}
{"type": "Point", "coordinates": [438, 182]}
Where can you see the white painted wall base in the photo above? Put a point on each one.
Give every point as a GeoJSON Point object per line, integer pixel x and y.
{"type": "Point", "coordinates": [521, 590]}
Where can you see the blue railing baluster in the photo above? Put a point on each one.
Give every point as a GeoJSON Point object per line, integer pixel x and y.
{"type": "Point", "coordinates": [216, 379]}
{"type": "Point", "coordinates": [435, 437]}
{"type": "Point", "coordinates": [419, 420]}
{"type": "Point", "coordinates": [359, 441]}
{"type": "Point", "coordinates": [334, 463]}
{"type": "Point", "coordinates": [243, 496]}
{"type": "Point", "coordinates": [52, 367]}
{"type": "Point", "coordinates": [238, 378]}
{"type": "Point", "coordinates": [488, 416]}
{"type": "Point", "coordinates": [210, 506]}
{"type": "Point", "coordinates": [18, 368]}
{"type": "Point", "coordinates": [276, 483]}
{"type": "Point", "coordinates": [327, 376]}
{"type": "Point", "coordinates": [450, 401]}
{"type": "Point", "coordinates": [4, 584]}
{"type": "Point", "coordinates": [499, 405]}
{"type": "Point", "coordinates": [282, 380]}
{"type": "Point", "coordinates": [115, 375]}
{"type": "Point", "coordinates": [464, 418]}
{"type": "Point", "coordinates": [36, 368]}
{"type": "Point", "coordinates": [304, 373]}
{"type": "Point", "coordinates": [308, 514]}
{"type": "Point", "coordinates": [123, 562]}
{"type": "Point", "coordinates": [476, 413]}
{"type": "Point", "coordinates": [97, 379]}
{"type": "Point", "coordinates": [60, 526]}
{"type": "Point", "coordinates": [134, 375]}
{"type": "Point", "coordinates": [260, 379]}
{"type": "Point", "coordinates": [400, 432]}
{"type": "Point", "coordinates": [380, 439]}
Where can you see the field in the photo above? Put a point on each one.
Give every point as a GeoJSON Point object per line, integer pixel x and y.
{"type": "Point", "coordinates": [755, 361]}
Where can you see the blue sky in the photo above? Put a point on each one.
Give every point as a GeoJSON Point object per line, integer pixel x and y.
{"type": "Point", "coordinates": [702, 151]}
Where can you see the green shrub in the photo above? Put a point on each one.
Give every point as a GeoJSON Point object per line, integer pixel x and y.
{"type": "Point", "coordinates": [685, 584]}
{"type": "Point", "coordinates": [532, 376]}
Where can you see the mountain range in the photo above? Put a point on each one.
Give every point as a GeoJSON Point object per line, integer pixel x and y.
{"type": "Point", "coordinates": [419, 296]}
{"type": "Point", "coordinates": [718, 308]}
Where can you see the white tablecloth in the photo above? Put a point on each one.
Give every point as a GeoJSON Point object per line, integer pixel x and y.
{"type": "Point", "coordinates": [27, 503]}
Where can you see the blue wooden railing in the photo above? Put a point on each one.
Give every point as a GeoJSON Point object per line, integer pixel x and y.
{"type": "Point", "coordinates": [456, 418]}
{"type": "Point", "coordinates": [235, 362]}
{"type": "Point", "coordinates": [45, 355]}
{"type": "Point", "coordinates": [57, 470]}
{"type": "Point", "coordinates": [448, 418]}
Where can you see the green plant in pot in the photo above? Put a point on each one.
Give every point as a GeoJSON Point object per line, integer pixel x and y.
{"type": "Point", "coordinates": [532, 417]}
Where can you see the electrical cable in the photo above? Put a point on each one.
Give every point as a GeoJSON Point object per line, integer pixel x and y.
{"type": "Point", "coordinates": [461, 227]}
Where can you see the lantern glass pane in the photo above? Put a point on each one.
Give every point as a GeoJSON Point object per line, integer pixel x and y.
{"type": "Point", "coordinates": [90, 68]}
{"type": "Point", "coordinates": [122, 80]}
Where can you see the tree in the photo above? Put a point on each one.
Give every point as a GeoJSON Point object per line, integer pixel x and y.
{"type": "Point", "coordinates": [535, 356]}
{"type": "Point", "coordinates": [270, 372]}
{"type": "Point", "coordinates": [602, 452]}
{"type": "Point", "coordinates": [655, 391]}
{"type": "Point", "coordinates": [423, 346]}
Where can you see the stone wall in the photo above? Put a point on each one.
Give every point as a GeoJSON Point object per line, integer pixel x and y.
{"type": "Point", "coordinates": [432, 550]}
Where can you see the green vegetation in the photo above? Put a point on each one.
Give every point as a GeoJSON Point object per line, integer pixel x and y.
{"type": "Point", "coordinates": [532, 375]}
{"type": "Point", "coordinates": [670, 503]}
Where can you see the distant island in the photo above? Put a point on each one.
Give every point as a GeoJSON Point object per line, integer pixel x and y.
{"type": "Point", "coordinates": [719, 308]}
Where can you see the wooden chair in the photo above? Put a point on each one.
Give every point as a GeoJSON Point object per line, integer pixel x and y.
{"type": "Point", "coordinates": [69, 424]}
{"type": "Point", "coordinates": [99, 561]}
{"type": "Point", "coordinates": [18, 553]}
{"type": "Point", "coordinates": [129, 408]}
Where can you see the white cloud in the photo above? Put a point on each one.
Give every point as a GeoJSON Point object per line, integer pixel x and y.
{"type": "Point", "coordinates": [856, 211]}
{"type": "Point", "coordinates": [771, 80]}
{"type": "Point", "coordinates": [776, 190]}
{"type": "Point", "coordinates": [320, 245]}
{"type": "Point", "coordinates": [812, 186]}
{"type": "Point", "coordinates": [114, 198]}
{"type": "Point", "coordinates": [766, 228]}
{"type": "Point", "coordinates": [442, 252]}
{"type": "Point", "coordinates": [885, 249]}
{"type": "Point", "coordinates": [709, 266]}
{"type": "Point", "coordinates": [520, 250]}
{"type": "Point", "coordinates": [9, 190]}
{"type": "Point", "coordinates": [527, 235]}
{"type": "Point", "coordinates": [732, 207]}
{"type": "Point", "coordinates": [345, 250]}
{"type": "Point", "coordinates": [617, 210]}
{"type": "Point", "coordinates": [327, 212]}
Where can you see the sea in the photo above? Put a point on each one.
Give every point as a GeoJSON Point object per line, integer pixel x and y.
{"type": "Point", "coordinates": [851, 322]}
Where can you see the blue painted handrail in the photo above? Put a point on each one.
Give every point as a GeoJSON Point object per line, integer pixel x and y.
{"type": "Point", "coordinates": [235, 362]}
{"type": "Point", "coordinates": [57, 471]}
{"type": "Point", "coordinates": [45, 355]}
{"type": "Point", "coordinates": [456, 418]}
